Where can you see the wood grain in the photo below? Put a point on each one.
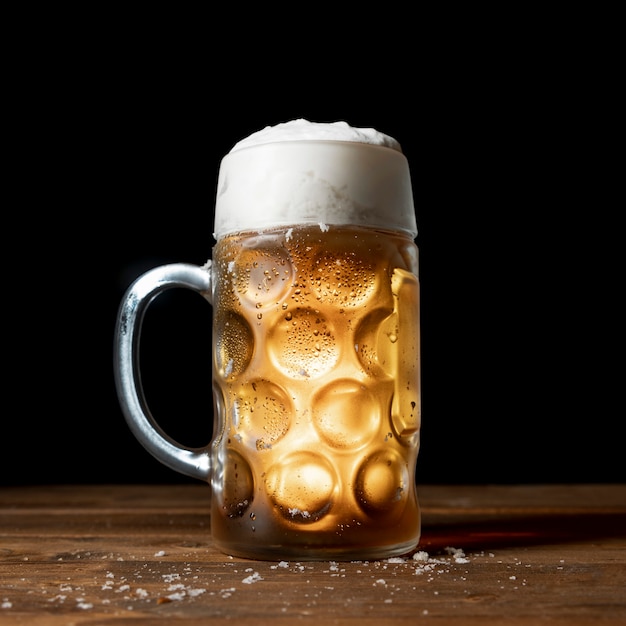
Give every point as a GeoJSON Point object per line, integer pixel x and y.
{"type": "Point", "coordinates": [135, 554]}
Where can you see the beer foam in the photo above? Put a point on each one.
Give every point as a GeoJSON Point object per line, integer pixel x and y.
{"type": "Point", "coordinates": [302, 172]}
{"type": "Point", "coordinates": [303, 130]}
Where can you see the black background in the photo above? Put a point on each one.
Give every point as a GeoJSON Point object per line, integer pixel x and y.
{"type": "Point", "coordinates": [120, 133]}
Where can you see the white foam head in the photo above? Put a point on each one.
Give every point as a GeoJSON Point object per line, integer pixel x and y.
{"type": "Point", "coordinates": [303, 172]}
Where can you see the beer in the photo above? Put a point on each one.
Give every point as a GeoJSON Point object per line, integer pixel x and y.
{"type": "Point", "coordinates": [316, 389]}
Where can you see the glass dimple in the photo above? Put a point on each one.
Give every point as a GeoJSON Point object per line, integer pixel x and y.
{"type": "Point", "coordinates": [405, 411]}
{"type": "Point", "coordinates": [303, 344]}
{"type": "Point", "coordinates": [373, 342]}
{"type": "Point", "coordinates": [301, 486]}
{"type": "Point", "coordinates": [234, 344]}
{"type": "Point", "coordinates": [236, 485]}
{"type": "Point", "coordinates": [342, 277]}
{"type": "Point", "coordinates": [346, 413]}
{"type": "Point", "coordinates": [382, 485]}
{"type": "Point", "coordinates": [263, 270]}
{"type": "Point", "coordinates": [261, 413]}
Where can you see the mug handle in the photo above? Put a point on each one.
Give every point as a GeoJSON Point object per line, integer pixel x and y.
{"type": "Point", "coordinates": [194, 462]}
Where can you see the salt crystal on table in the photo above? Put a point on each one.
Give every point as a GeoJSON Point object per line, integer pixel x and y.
{"type": "Point", "coordinates": [195, 592]}
{"type": "Point", "coordinates": [176, 596]}
{"type": "Point", "coordinates": [252, 578]}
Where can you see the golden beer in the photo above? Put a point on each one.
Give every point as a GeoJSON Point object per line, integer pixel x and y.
{"type": "Point", "coordinates": [317, 392]}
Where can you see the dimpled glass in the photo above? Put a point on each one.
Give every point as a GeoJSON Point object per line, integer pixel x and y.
{"type": "Point", "coordinates": [317, 393]}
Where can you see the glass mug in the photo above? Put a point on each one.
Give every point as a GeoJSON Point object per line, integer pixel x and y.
{"type": "Point", "coordinates": [313, 283]}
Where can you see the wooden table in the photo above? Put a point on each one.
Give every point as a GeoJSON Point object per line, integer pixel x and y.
{"type": "Point", "coordinates": [139, 554]}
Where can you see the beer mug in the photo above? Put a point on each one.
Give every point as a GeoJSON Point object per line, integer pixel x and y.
{"type": "Point", "coordinates": [313, 282]}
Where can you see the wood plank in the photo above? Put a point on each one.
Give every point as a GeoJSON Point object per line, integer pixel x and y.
{"type": "Point", "coordinates": [524, 554]}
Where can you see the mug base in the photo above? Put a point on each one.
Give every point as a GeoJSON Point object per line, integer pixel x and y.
{"type": "Point", "coordinates": [280, 552]}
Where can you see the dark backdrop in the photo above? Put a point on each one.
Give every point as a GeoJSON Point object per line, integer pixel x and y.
{"type": "Point", "coordinates": [116, 166]}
